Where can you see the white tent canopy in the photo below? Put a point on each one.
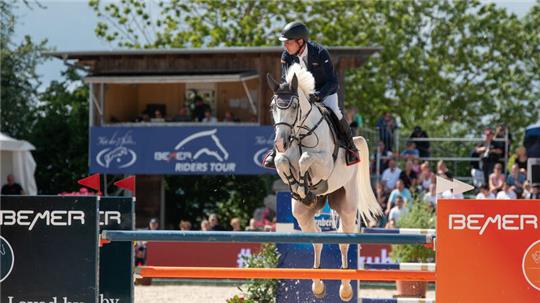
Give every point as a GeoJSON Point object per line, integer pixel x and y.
{"type": "Point", "coordinates": [16, 159]}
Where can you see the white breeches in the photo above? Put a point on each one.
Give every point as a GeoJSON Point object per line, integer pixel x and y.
{"type": "Point", "coordinates": [332, 102]}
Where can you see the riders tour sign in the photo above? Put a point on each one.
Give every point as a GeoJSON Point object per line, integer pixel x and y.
{"type": "Point", "coordinates": [180, 150]}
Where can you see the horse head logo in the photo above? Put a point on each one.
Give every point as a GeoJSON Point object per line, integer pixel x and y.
{"type": "Point", "coordinates": [120, 155]}
{"type": "Point", "coordinates": [204, 143]}
{"type": "Point", "coordinates": [7, 259]}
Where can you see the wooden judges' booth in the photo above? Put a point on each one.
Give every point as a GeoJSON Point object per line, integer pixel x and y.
{"type": "Point", "coordinates": [130, 87]}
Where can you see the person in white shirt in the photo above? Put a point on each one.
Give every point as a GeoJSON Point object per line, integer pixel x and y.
{"type": "Point", "coordinates": [507, 193]}
{"type": "Point", "coordinates": [485, 193]}
{"type": "Point", "coordinates": [431, 196]}
{"type": "Point", "coordinates": [391, 175]}
{"type": "Point", "coordinates": [396, 213]}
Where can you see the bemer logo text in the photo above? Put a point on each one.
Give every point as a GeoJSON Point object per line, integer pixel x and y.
{"type": "Point", "coordinates": [482, 222]}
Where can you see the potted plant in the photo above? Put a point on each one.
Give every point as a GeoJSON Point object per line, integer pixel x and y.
{"type": "Point", "coordinates": [420, 215]}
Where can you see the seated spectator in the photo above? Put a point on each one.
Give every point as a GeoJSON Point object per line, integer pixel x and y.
{"type": "Point", "coordinates": [391, 175]}
{"type": "Point", "coordinates": [400, 191]}
{"type": "Point", "coordinates": [431, 196]}
{"type": "Point", "coordinates": [408, 176]}
{"type": "Point", "coordinates": [208, 118]}
{"type": "Point", "coordinates": [182, 115]}
{"type": "Point", "coordinates": [184, 225]}
{"type": "Point", "coordinates": [396, 213]}
{"type": "Point", "coordinates": [158, 117]}
{"type": "Point", "coordinates": [252, 225]}
{"type": "Point", "coordinates": [520, 158]}
{"type": "Point", "coordinates": [382, 196]}
{"type": "Point", "coordinates": [229, 117]}
{"type": "Point", "coordinates": [205, 225]}
{"type": "Point", "coordinates": [11, 187]}
{"type": "Point", "coordinates": [410, 152]}
{"type": "Point", "coordinates": [153, 224]}
{"type": "Point", "coordinates": [516, 178]}
{"type": "Point", "coordinates": [235, 224]}
{"type": "Point", "coordinates": [485, 193]}
{"type": "Point", "coordinates": [424, 178]}
{"type": "Point", "coordinates": [535, 192]}
{"type": "Point", "coordinates": [507, 192]}
{"type": "Point", "coordinates": [443, 171]}
{"type": "Point", "coordinates": [214, 223]}
{"type": "Point", "coordinates": [496, 179]}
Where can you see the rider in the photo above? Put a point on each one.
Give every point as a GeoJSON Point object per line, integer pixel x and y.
{"type": "Point", "coordinates": [314, 57]}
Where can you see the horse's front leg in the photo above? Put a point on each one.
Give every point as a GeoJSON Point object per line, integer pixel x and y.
{"type": "Point", "coordinates": [320, 164]}
{"type": "Point", "coordinates": [283, 167]}
{"type": "Point", "coordinates": [305, 216]}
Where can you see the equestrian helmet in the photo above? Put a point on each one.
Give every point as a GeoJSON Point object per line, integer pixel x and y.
{"type": "Point", "coordinates": [294, 31]}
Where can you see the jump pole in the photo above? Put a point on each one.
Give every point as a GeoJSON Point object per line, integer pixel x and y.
{"type": "Point", "coordinates": [283, 273]}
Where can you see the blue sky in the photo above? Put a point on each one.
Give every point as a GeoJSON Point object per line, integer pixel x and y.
{"type": "Point", "coordinates": [69, 26]}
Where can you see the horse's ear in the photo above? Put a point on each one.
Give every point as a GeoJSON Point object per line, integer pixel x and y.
{"type": "Point", "coordinates": [294, 83]}
{"type": "Point", "coordinates": [272, 83]}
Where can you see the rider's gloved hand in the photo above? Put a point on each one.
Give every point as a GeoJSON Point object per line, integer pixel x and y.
{"type": "Point", "coordinates": [314, 98]}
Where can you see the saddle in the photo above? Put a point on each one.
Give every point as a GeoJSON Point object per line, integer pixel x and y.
{"type": "Point", "coordinates": [333, 122]}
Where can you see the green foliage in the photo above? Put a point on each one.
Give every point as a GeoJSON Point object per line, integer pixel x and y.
{"type": "Point", "coordinates": [19, 81]}
{"type": "Point", "coordinates": [260, 291]}
{"type": "Point", "coordinates": [60, 135]}
{"type": "Point", "coordinates": [195, 197]}
{"type": "Point", "coordinates": [420, 215]}
{"type": "Point", "coordinates": [450, 66]}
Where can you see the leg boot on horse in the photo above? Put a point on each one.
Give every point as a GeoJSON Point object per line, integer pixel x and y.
{"type": "Point", "coordinates": [351, 156]}
{"type": "Point", "coordinates": [268, 161]}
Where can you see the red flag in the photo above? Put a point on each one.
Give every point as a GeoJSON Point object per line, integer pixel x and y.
{"type": "Point", "coordinates": [127, 183]}
{"type": "Point", "coordinates": [93, 181]}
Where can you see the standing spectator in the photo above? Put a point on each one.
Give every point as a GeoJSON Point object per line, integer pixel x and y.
{"type": "Point", "coordinates": [158, 116]}
{"type": "Point", "coordinates": [409, 177]}
{"type": "Point", "coordinates": [205, 225]}
{"type": "Point", "coordinates": [423, 147]}
{"type": "Point", "coordinates": [496, 179]}
{"type": "Point", "coordinates": [442, 170]}
{"type": "Point", "coordinates": [184, 225]}
{"type": "Point", "coordinates": [507, 192]}
{"type": "Point", "coordinates": [424, 178]}
{"type": "Point", "coordinates": [199, 109]}
{"type": "Point", "coordinates": [182, 115]}
{"type": "Point", "coordinates": [396, 212]}
{"type": "Point", "coordinates": [11, 187]}
{"type": "Point", "coordinates": [400, 191]}
{"type": "Point", "coordinates": [391, 175]}
{"type": "Point", "coordinates": [485, 193]}
{"type": "Point", "coordinates": [489, 153]}
{"type": "Point", "coordinates": [501, 132]}
{"type": "Point", "coordinates": [477, 173]}
{"type": "Point", "coordinates": [387, 126]}
{"type": "Point", "coordinates": [214, 223]}
{"type": "Point", "coordinates": [153, 224]}
{"type": "Point", "coordinates": [252, 225]}
{"type": "Point", "coordinates": [235, 224]}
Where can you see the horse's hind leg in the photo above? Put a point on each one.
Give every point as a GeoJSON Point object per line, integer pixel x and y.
{"type": "Point", "coordinates": [305, 217]}
{"type": "Point", "coordinates": [347, 214]}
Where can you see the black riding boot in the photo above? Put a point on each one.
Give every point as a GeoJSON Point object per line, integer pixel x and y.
{"type": "Point", "coordinates": [268, 161]}
{"type": "Point", "coordinates": [351, 156]}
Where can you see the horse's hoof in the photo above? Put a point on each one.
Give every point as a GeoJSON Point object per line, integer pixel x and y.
{"type": "Point", "coordinates": [318, 289]}
{"type": "Point", "coordinates": [345, 292]}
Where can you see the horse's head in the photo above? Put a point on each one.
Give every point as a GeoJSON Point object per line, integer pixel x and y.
{"type": "Point", "coordinates": [285, 110]}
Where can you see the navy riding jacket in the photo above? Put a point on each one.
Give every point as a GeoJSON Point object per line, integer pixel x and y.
{"type": "Point", "coordinates": [319, 64]}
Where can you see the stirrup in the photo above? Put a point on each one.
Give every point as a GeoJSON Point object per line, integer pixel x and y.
{"type": "Point", "coordinates": [351, 157]}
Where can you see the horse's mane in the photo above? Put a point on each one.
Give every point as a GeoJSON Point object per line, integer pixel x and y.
{"type": "Point", "coordinates": [306, 82]}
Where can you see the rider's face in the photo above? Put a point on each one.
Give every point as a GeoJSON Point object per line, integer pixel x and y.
{"type": "Point", "coordinates": [292, 46]}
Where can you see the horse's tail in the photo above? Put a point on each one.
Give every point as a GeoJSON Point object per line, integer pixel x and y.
{"type": "Point", "coordinates": [368, 205]}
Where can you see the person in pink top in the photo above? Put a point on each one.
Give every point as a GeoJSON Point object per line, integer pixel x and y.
{"type": "Point", "coordinates": [496, 179]}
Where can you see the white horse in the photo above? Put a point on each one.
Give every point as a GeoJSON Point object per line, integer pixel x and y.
{"type": "Point", "coordinates": [304, 160]}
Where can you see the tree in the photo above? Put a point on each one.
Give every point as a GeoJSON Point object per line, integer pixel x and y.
{"type": "Point", "coordinates": [450, 66]}
{"type": "Point", "coordinates": [60, 135]}
{"type": "Point", "coordinates": [19, 81]}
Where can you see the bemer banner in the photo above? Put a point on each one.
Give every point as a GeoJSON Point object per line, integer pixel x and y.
{"type": "Point", "coordinates": [180, 150]}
